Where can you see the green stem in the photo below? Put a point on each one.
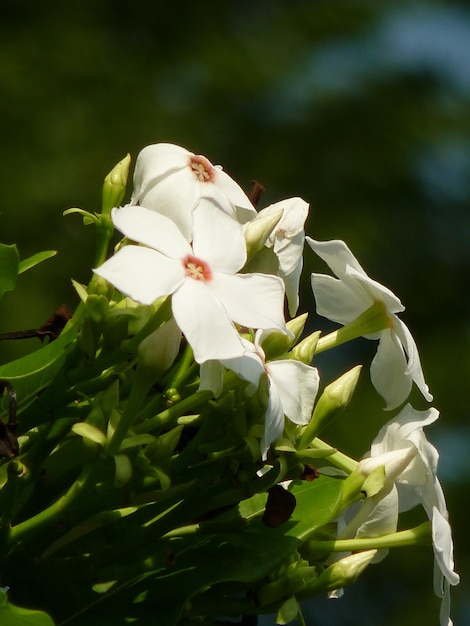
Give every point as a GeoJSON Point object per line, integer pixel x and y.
{"type": "Point", "coordinates": [371, 321]}
{"type": "Point", "coordinates": [177, 376]}
{"type": "Point", "coordinates": [104, 230]}
{"type": "Point", "coordinates": [139, 390]}
{"type": "Point", "coordinates": [77, 498]}
{"type": "Point", "coordinates": [342, 461]}
{"type": "Point", "coordinates": [169, 416]}
{"type": "Point", "coordinates": [420, 535]}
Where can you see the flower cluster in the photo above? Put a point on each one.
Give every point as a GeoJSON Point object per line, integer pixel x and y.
{"type": "Point", "coordinates": [195, 237]}
{"type": "Point", "coordinates": [162, 450]}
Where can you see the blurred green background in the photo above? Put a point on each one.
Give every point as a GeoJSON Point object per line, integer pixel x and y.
{"type": "Point", "coordinates": [361, 108]}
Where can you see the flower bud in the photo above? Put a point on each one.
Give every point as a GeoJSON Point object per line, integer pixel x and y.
{"type": "Point", "coordinates": [258, 231]}
{"type": "Point", "coordinates": [394, 463]}
{"type": "Point", "coordinates": [114, 185]}
{"type": "Point", "coordinates": [335, 397]}
{"type": "Point", "coordinates": [305, 350]}
{"type": "Point", "coordinates": [345, 571]}
{"type": "Point", "coordinates": [275, 343]}
{"type": "Point", "coordinates": [296, 326]}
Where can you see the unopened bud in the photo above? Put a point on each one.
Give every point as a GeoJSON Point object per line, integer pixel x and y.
{"type": "Point", "coordinates": [345, 571]}
{"type": "Point", "coordinates": [335, 397]}
{"type": "Point", "coordinates": [258, 231]}
{"type": "Point", "coordinates": [275, 343]}
{"type": "Point", "coordinates": [114, 186]}
{"type": "Point", "coordinates": [305, 350]}
{"type": "Point", "coordinates": [296, 326]}
{"type": "Point", "coordinates": [394, 463]}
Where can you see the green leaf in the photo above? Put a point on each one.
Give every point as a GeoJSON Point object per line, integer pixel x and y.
{"type": "Point", "coordinates": [11, 615]}
{"type": "Point", "coordinates": [31, 373]}
{"type": "Point", "coordinates": [123, 472]}
{"type": "Point", "coordinates": [8, 267]}
{"type": "Point", "coordinates": [136, 440]}
{"type": "Point", "coordinates": [201, 560]}
{"type": "Point", "coordinates": [35, 259]}
{"type": "Point", "coordinates": [90, 432]}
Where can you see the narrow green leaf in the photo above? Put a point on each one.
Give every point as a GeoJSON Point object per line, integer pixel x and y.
{"type": "Point", "coordinates": [123, 470]}
{"type": "Point", "coordinates": [136, 440]}
{"type": "Point", "coordinates": [35, 259]}
{"type": "Point", "coordinates": [33, 372]}
{"type": "Point", "coordinates": [167, 590]}
{"type": "Point", "coordinates": [8, 267]}
{"type": "Point", "coordinates": [89, 432]}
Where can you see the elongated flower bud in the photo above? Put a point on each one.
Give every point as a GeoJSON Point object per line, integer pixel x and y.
{"type": "Point", "coordinates": [305, 350]}
{"type": "Point", "coordinates": [335, 397]}
{"type": "Point", "coordinates": [345, 571]}
{"type": "Point", "coordinates": [296, 326]}
{"type": "Point", "coordinates": [114, 185]}
{"type": "Point", "coordinates": [258, 231]}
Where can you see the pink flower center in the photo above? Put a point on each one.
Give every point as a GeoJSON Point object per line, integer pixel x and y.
{"type": "Point", "coordinates": [197, 268]}
{"type": "Point", "coordinates": [202, 168]}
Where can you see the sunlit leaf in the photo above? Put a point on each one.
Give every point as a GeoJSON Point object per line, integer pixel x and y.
{"type": "Point", "coordinates": [35, 259]}
{"type": "Point", "coordinates": [90, 432]}
{"type": "Point", "coordinates": [11, 615]}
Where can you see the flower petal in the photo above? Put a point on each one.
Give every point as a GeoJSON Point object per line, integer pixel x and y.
{"type": "Point", "coordinates": [414, 368]}
{"type": "Point", "coordinates": [152, 229]}
{"type": "Point", "coordinates": [443, 549]}
{"type": "Point", "coordinates": [235, 195]}
{"type": "Point", "coordinates": [335, 300]}
{"type": "Point", "coordinates": [402, 426]}
{"type": "Point", "coordinates": [175, 196]}
{"type": "Point", "coordinates": [218, 238]}
{"type": "Point", "coordinates": [375, 291]}
{"type": "Point", "coordinates": [142, 274]}
{"type": "Point", "coordinates": [155, 161]}
{"type": "Point", "coordinates": [388, 371]}
{"type": "Point", "coordinates": [297, 384]}
{"type": "Point", "coordinates": [382, 516]}
{"type": "Point", "coordinates": [336, 255]}
{"type": "Point", "coordinates": [289, 251]}
{"type": "Point", "coordinates": [274, 420]}
{"type": "Point", "coordinates": [252, 300]}
{"type": "Point", "coordinates": [249, 367]}
{"type": "Point", "coordinates": [205, 324]}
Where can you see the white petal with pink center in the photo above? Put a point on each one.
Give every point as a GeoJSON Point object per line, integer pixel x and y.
{"type": "Point", "coordinates": [208, 297]}
{"type": "Point", "coordinates": [172, 180]}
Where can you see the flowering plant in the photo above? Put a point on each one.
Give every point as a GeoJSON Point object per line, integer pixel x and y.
{"type": "Point", "coordinates": [161, 455]}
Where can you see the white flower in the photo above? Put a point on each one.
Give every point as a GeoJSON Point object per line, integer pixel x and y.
{"type": "Point", "coordinates": [287, 241]}
{"type": "Point", "coordinates": [416, 483]}
{"type": "Point", "coordinates": [293, 387]}
{"type": "Point", "coordinates": [396, 364]}
{"type": "Point", "coordinates": [171, 180]}
{"type": "Point", "coordinates": [208, 295]}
